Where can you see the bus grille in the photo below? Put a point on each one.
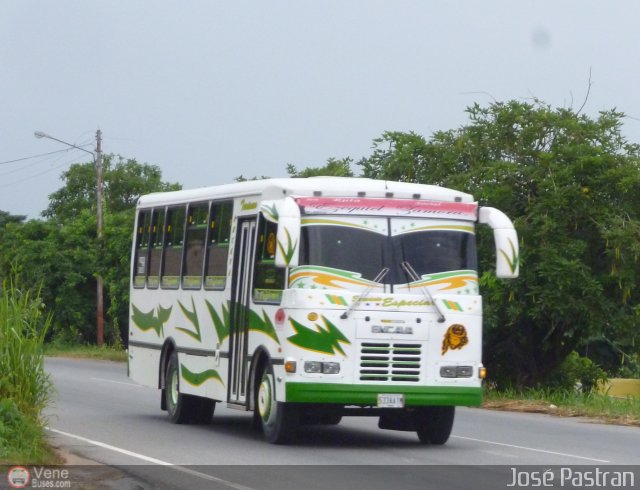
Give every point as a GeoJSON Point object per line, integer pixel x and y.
{"type": "Point", "coordinates": [388, 361]}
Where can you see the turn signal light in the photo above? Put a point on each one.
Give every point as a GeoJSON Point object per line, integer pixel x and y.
{"type": "Point", "coordinates": [290, 366]}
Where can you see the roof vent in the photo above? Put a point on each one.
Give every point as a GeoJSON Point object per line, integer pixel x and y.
{"type": "Point", "coordinates": [361, 193]}
{"type": "Point", "coordinates": [388, 194]}
{"type": "Point", "coordinates": [317, 193]}
{"type": "Point", "coordinates": [416, 196]}
{"type": "Point", "coordinates": [458, 199]}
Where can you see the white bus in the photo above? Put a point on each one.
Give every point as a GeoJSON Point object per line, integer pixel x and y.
{"type": "Point", "coordinates": [306, 300]}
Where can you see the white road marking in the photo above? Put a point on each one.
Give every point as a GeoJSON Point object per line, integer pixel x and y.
{"type": "Point", "coordinates": [149, 459]}
{"type": "Point", "coordinates": [532, 449]}
{"type": "Point", "coordinates": [118, 382]}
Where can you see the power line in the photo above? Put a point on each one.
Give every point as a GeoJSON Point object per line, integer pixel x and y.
{"type": "Point", "coordinates": [34, 176]}
{"type": "Point", "coordinates": [37, 156]}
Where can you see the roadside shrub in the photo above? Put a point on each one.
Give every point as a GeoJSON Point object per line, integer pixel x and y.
{"type": "Point", "coordinates": [577, 372]}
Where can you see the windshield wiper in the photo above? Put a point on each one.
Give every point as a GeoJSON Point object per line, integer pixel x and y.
{"type": "Point", "coordinates": [412, 274]}
{"type": "Point", "coordinates": [377, 279]}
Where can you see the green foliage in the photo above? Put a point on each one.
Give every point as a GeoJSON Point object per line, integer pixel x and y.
{"type": "Point", "coordinates": [22, 440]}
{"type": "Point", "coordinates": [25, 387]}
{"type": "Point", "coordinates": [6, 218]}
{"type": "Point", "coordinates": [23, 326]}
{"type": "Point", "coordinates": [334, 167]}
{"type": "Point", "coordinates": [242, 178]}
{"type": "Point", "coordinates": [123, 182]}
{"type": "Point", "coordinates": [572, 186]}
{"type": "Point", "coordinates": [577, 372]}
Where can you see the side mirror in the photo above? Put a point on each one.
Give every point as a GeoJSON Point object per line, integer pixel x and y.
{"type": "Point", "coordinates": [506, 240]}
{"type": "Point", "coordinates": [288, 237]}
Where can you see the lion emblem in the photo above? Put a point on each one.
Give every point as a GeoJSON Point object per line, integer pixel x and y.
{"type": "Point", "coordinates": [454, 338]}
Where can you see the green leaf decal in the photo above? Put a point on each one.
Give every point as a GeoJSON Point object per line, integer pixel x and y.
{"type": "Point", "coordinates": [289, 251]}
{"type": "Point", "coordinates": [263, 324]}
{"type": "Point", "coordinates": [164, 313]}
{"type": "Point", "coordinates": [325, 340]}
{"type": "Point", "coordinates": [153, 320]}
{"type": "Point", "coordinates": [196, 379]}
{"type": "Point", "coordinates": [192, 316]}
{"type": "Point", "coordinates": [270, 212]}
{"type": "Point", "coordinates": [222, 322]}
{"type": "Point", "coordinates": [513, 260]}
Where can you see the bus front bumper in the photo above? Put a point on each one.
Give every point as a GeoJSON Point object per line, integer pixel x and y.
{"type": "Point", "coordinates": [367, 395]}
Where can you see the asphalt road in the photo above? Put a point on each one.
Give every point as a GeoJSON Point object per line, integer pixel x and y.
{"type": "Point", "coordinates": [101, 415]}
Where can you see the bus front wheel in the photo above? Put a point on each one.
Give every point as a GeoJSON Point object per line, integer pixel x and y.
{"type": "Point", "coordinates": [278, 419]}
{"type": "Point", "coordinates": [434, 424]}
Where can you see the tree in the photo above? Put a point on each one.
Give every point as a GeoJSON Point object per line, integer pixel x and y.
{"type": "Point", "coordinates": [334, 167]}
{"type": "Point", "coordinates": [123, 182]}
{"type": "Point", "coordinates": [572, 185]}
{"type": "Point", "coordinates": [6, 218]}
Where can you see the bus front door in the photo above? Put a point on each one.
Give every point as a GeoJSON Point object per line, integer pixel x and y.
{"type": "Point", "coordinates": [240, 303]}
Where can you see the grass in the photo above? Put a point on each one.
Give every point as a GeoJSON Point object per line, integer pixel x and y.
{"type": "Point", "coordinates": [105, 353]}
{"type": "Point", "coordinates": [25, 387]}
{"type": "Point", "coordinates": [22, 439]}
{"type": "Point", "coordinates": [603, 408]}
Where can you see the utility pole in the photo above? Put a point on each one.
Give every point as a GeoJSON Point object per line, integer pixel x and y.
{"type": "Point", "coordinates": [97, 162]}
{"type": "Point", "coordinates": [99, 286]}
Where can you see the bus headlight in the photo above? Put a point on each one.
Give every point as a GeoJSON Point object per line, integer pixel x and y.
{"type": "Point", "coordinates": [318, 367]}
{"type": "Point", "coordinates": [448, 372]}
{"type": "Point", "coordinates": [312, 367]}
{"type": "Point", "coordinates": [330, 367]}
{"type": "Point", "coordinates": [456, 371]}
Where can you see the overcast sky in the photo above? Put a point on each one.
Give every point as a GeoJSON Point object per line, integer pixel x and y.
{"type": "Point", "coordinates": [210, 90]}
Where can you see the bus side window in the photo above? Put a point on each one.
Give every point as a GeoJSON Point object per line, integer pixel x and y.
{"type": "Point", "coordinates": [142, 249]}
{"type": "Point", "coordinates": [268, 280]}
{"type": "Point", "coordinates": [173, 245]}
{"type": "Point", "coordinates": [197, 218]}
{"type": "Point", "coordinates": [217, 253]}
{"type": "Point", "coordinates": [155, 248]}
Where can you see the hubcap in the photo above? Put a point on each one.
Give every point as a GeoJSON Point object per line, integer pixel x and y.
{"type": "Point", "coordinates": [173, 387]}
{"type": "Point", "coordinates": [264, 400]}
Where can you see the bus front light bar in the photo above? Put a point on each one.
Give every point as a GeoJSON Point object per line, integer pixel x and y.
{"type": "Point", "coordinates": [456, 371]}
{"type": "Point", "coordinates": [321, 367]}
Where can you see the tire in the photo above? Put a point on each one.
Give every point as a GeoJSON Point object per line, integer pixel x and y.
{"type": "Point", "coordinates": [434, 424]}
{"type": "Point", "coordinates": [278, 419]}
{"type": "Point", "coordinates": [181, 408]}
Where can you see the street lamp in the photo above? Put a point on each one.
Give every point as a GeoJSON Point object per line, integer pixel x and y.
{"type": "Point", "coordinates": [97, 162]}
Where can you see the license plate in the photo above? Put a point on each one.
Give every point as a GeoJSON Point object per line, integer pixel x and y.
{"type": "Point", "coordinates": [386, 400]}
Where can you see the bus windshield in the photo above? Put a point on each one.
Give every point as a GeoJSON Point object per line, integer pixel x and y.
{"type": "Point", "coordinates": [429, 249]}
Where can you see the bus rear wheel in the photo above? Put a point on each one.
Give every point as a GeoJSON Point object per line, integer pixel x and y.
{"type": "Point", "coordinates": [182, 408]}
{"type": "Point", "coordinates": [434, 424]}
{"type": "Point", "coordinates": [278, 419]}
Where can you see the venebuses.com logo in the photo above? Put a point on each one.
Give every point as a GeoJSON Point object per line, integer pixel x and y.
{"type": "Point", "coordinates": [18, 477]}
{"type": "Point", "coordinates": [38, 477]}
